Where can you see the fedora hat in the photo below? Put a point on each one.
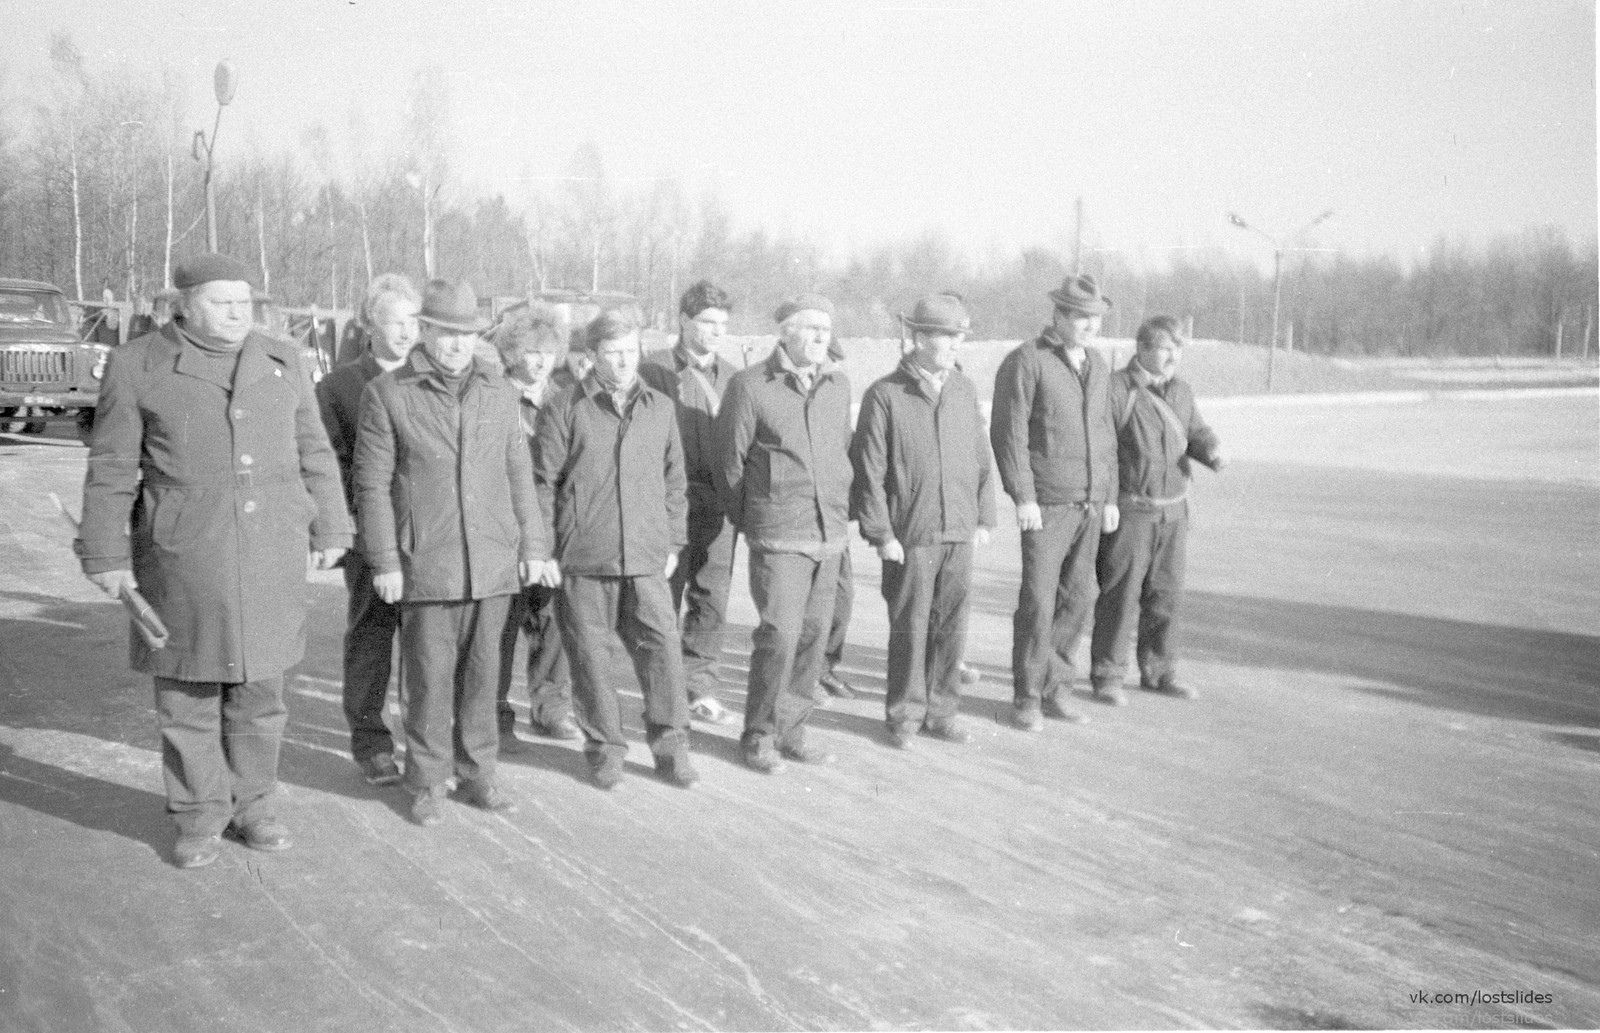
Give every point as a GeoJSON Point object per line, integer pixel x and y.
{"type": "Point", "coordinates": [941, 313]}
{"type": "Point", "coordinates": [1081, 294]}
{"type": "Point", "coordinates": [451, 306]}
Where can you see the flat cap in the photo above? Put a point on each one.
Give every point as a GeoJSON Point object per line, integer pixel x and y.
{"type": "Point", "coordinates": [800, 303]}
{"type": "Point", "coordinates": [192, 272]}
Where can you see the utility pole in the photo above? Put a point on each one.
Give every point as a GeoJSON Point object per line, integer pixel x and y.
{"type": "Point", "coordinates": [1077, 240]}
{"type": "Point", "coordinates": [1278, 249]}
{"type": "Point", "coordinates": [224, 81]}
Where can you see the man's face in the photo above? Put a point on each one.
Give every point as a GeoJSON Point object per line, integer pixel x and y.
{"type": "Point", "coordinates": [1161, 355]}
{"type": "Point", "coordinates": [704, 332]}
{"type": "Point", "coordinates": [937, 351]}
{"type": "Point", "coordinates": [534, 367]}
{"type": "Point", "coordinates": [394, 328]}
{"type": "Point", "coordinates": [219, 310]}
{"type": "Point", "coordinates": [451, 349]}
{"type": "Point", "coordinates": [1076, 328]}
{"type": "Point", "coordinates": [620, 360]}
{"type": "Point", "coordinates": [805, 336]}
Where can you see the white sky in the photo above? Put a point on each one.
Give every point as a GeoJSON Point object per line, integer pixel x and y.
{"type": "Point", "coordinates": [861, 122]}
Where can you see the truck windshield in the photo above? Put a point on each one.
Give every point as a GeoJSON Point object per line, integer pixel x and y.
{"type": "Point", "coordinates": [40, 308]}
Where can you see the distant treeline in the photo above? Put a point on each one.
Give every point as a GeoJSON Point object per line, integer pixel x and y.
{"type": "Point", "coordinates": [99, 192]}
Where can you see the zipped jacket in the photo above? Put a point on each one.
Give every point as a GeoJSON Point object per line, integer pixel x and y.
{"type": "Point", "coordinates": [1155, 448]}
{"type": "Point", "coordinates": [1054, 438]}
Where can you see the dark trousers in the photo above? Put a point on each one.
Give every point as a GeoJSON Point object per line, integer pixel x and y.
{"type": "Point", "coordinates": [219, 751]}
{"type": "Point", "coordinates": [705, 568]}
{"type": "Point", "coordinates": [928, 607]}
{"type": "Point", "coordinates": [844, 601]}
{"type": "Point", "coordinates": [794, 597]}
{"type": "Point", "coordinates": [450, 654]}
{"type": "Point", "coordinates": [1141, 570]}
{"type": "Point", "coordinates": [1055, 602]}
{"type": "Point", "coordinates": [533, 610]}
{"type": "Point", "coordinates": [595, 612]}
{"type": "Point", "coordinates": [370, 627]}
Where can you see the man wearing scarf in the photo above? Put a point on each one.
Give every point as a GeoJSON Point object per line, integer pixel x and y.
{"type": "Point", "coordinates": [210, 477]}
{"type": "Point", "coordinates": [1141, 565]}
{"type": "Point", "coordinates": [451, 529]}
{"type": "Point", "coordinates": [783, 474]}
{"type": "Point", "coordinates": [531, 344]}
{"type": "Point", "coordinates": [924, 496]}
{"type": "Point", "coordinates": [610, 468]}
{"type": "Point", "coordinates": [1055, 444]}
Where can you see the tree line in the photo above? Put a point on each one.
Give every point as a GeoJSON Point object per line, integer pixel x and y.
{"type": "Point", "coordinates": [99, 193]}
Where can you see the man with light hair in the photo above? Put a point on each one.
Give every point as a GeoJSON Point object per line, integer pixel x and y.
{"type": "Point", "coordinates": [610, 469]}
{"type": "Point", "coordinates": [695, 375]}
{"type": "Point", "coordinates": [1055, 444]}
{"type": "Point", "coordinates": [532, 343]}
{"type": "Point", "coordinates": [209, 479]}
{"type": "Point", "coordinates": [389, 325]}
{"type": "Point", "coordinates": [783, 473]}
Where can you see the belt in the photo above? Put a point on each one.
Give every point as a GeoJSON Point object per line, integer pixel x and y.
{"type": "Point", "coordinates": [1150, 501]}
{"type": "Point", "coordinates": [240, 479]}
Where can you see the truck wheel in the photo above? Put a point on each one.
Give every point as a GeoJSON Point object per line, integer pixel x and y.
{"type": "Point", "coordinates": [85, 425]}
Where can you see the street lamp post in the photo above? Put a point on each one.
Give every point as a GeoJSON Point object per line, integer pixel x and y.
{"type": "Point", "coordinates": [1278, 248]}
{"type": "Point", "coordinates": [223, 83]}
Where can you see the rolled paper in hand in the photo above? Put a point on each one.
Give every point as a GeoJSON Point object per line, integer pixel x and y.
{"type": "Point", "coordinates": [145, 618]}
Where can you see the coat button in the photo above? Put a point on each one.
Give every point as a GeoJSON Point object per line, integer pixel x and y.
{"type": "Point", "coordinates": [246, 460]}
{"type": "Point", "coordinates": [250, 506]}
{"type": "Point", "coordinates": [238, 414]}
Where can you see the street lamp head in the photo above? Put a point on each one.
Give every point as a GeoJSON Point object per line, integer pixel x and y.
{"type": "Point", "coordinates": [1233, 217]}
{"type": "Point", "coordinates": [224, 82]}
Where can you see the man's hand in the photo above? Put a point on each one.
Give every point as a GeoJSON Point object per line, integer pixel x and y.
{"type": "Point", "coordinates": [549, 574]}
{"type": "Point", "coordinates": [326, 559]}
{"type": "Point", "coordinates": [1111, 520]}
{"type": "Point", "coordinates": [980, 536]}
{"type": "Point", "coordinates": [892, 551]}
{"type": "Point", "coordinates": [389, 586]}
{"type": "Point", "coordinates": [113, 582]}
{"type": "Point", "coordinates": [528, 571]}
{"type": "Point", "coordinates": [672, 564]}
{"type": "Point", "coordinates": [1028, 516]}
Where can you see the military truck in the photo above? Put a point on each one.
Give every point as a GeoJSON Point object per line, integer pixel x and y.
{"type": "Point", "coordinates": [47, 369]}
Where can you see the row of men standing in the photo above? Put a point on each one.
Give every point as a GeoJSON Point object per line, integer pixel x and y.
{"type": "Point", "coordinates": [634, 477]}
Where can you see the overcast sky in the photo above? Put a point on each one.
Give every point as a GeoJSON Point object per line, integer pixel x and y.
{"type": "Point", "coordinates": [859, 122]}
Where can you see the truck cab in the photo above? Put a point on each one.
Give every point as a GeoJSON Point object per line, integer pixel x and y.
{"type": "Point", "coordinates": [46, 369]}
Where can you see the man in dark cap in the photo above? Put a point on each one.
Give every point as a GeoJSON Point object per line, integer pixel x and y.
{"type": "Point", "coordinates": [451, 529]}
{"type": "Point", "coordinates": [924, 496]}
{"type": "Point", "coordinates": [1141, 566]}
{"type": "Point", "coordinates": [389, 322]}
{"type": "Point", "coordinates": [210, 476]}
{"type": "Point", "coordinates": [694, 374]}
{"type": "Point", "coordinates": [1055, 443]}
{"type": "Point", "coordinates": [783, 473]}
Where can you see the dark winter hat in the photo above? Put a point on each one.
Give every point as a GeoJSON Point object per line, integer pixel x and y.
{"type": "Point", "coordinates": [451, 306]}
{"type": "Point", "coordinates": [1081, 294]}
{"type": "Point", "coordinates": [938, 313]}
{"type": "Point", "coordinates": [801, 302]}
{"type": "Point", "coordinates": [210, 266]}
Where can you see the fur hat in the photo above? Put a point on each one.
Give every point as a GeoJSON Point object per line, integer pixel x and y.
{"type": "Point", "coordinates": [801, 302]}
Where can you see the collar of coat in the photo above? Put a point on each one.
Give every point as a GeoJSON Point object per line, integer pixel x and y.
{"type": "Point", "coordinates": [261, 355]}
{"type": "Point", "coordinates": [922, 380]}
{"type": "Point", "coordinates": [682, 360]}
{"type": "Point", "coordinates": [592, 387]}
{"type": "Point", "coordinates": [780, 365]}
{"type": "Point", "coordinates": [419, 366]}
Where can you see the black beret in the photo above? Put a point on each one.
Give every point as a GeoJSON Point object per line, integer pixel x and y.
{"type": "Point", "coordinates": [210, 266]}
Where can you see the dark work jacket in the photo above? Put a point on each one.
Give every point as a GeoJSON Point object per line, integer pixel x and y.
{"type": "Point", "coordinates": [612, 483]}
{"type": "Point", "coordinates": [783, 458]}
{"type": "Point", "coordinates": [922, 469]}
{"type": "Point", "coordinates": [668, 371]}
{"type": "Point", "coordinates": [444, 485]}
{"type": "Point", "coordinates": [212, 495]}
{"type": "Point", "coordinates": [1153, 456]}
{"type": "Point", "coordinates": [1055, 441]}
{"type": "Point", "coordinates": [339, 398]}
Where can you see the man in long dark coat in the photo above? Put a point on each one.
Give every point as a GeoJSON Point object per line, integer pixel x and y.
{"type": "Point", "coordinates": [210, 475]}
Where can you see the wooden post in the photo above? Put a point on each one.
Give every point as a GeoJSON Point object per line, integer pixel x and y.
{"type": "Point", "coordinates": [1588, 328]}
{"type": "Point", "coordinates": [1559, 328]}
{"type": "Point", "coordinates": [1288, 338]}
